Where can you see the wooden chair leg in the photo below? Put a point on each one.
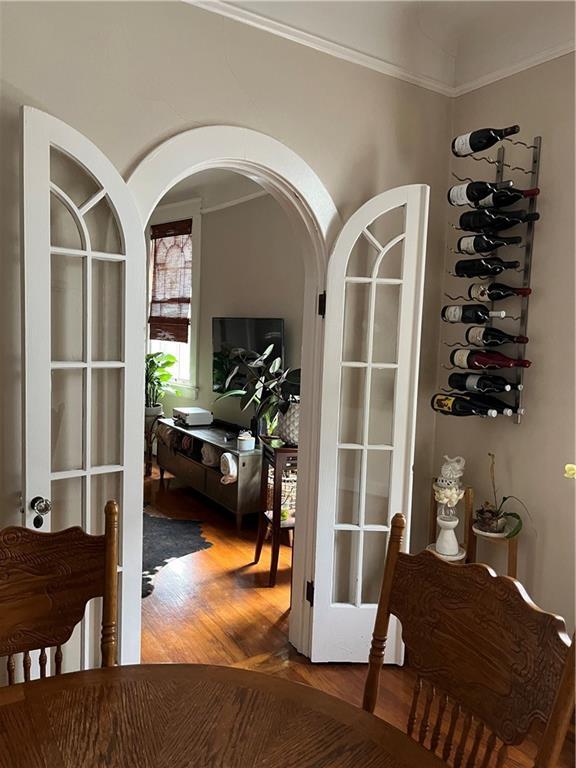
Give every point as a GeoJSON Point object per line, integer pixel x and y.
{"type": "Point", "coordinates": [262, 526]}
{"type": "Point", "coordinates": [276, 533]}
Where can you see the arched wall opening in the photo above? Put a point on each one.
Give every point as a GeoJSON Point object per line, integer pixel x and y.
{"type": "Point", "coordinates": [295, 186]}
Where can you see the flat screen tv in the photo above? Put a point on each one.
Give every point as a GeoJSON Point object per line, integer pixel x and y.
{"type": "Point", "coordinates": [251, 333]}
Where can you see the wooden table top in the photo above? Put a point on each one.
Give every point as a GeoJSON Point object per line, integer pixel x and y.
{"type": "Point", "coordinates": [184, 716]}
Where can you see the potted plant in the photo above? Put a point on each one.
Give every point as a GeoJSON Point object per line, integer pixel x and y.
{"type": "Point", "coordinates": [273, 392]}
{"type": "Point", "coordinates": [495, 518]}
{"type": "Point", "coordinates": [158, 380]}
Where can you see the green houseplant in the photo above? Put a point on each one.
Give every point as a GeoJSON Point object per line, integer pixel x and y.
{"type": "Point", "coordinates": [260, 382]}
{"type": "Point", "coordinates": [158, 378]}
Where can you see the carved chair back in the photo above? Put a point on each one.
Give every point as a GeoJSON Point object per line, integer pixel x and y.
{"type": "Point", "coordinates": [489, 663]}
{"type": "Point", "coordinates": [46, 579]}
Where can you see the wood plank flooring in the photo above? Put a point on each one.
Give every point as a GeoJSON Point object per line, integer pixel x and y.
{"type": "Point", "coordinates": [213, 607]}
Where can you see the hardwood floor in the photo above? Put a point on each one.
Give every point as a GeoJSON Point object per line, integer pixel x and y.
{"type": "Point", "coordinates": [213, 607]}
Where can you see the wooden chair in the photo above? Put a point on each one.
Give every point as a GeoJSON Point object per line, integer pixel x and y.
{"type": "Point", "coordinates": [46, 579]}
{"type": "Point", "coordinates": [489, 663]}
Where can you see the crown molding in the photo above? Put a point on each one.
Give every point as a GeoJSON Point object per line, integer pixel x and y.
{"type": "Point", "coordinates": [320, 44]}
{"type": "Point", "coordinates": [353, 56]}
{"type": "Point", "coordinates": [235, 201]}
{"type": "Point", "coordinates": [514, 69]}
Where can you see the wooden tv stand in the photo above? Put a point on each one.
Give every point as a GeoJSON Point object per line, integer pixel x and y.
{"type": "Point", "coordinates": [242, 497]}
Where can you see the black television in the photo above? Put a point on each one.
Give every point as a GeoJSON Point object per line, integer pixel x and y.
{"type": "Point", "coordinates": [254, 334]}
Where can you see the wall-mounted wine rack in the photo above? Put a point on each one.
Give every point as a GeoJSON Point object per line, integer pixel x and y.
{"type": "Point", "coordinates": [503, 170]}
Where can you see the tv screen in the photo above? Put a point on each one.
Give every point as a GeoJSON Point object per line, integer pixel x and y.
{"type": "Point", "coordinates": [253, 334]}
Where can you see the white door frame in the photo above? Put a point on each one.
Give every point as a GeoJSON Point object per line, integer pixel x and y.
{"type": "Point", "coordinates": [292, 182]}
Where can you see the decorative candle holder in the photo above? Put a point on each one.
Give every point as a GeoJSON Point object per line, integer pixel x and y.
{"type": "Point", "coordinates": [447, 493]}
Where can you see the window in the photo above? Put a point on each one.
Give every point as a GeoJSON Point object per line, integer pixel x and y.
{"type": "Point", "coordinates": [171, 295]}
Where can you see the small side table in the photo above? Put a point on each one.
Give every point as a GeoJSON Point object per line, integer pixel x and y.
{"type": "Point", "coordinates": [279, 457]}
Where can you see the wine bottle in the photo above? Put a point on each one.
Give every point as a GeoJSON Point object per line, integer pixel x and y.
{"type": "Point", "coordinates": [489, 402]}
{"type": "Point", "coordinates": [470, 193]}
{"type": "Point", "coordinates": [478, 141]}
{"type": "Point", "coordinates": [502, 198]}
{"type": "Point", "coordinates": [486, 267]}
{"type": "Point", "coordinates": [480, 382]}
{"type": "Point", "coordinates": [488, 221]}
{"type": "Point", "coordinates": [492, 337]}
{"type": "Point", "coordinates": [469, 313]}
{"type": "Point", "coordinates": [480, 359]}
{"type": "Point", "coordinates": [495, 291]}
{"type": "Point", "coordinates": [473, 244]}
{"type": "Point", "coordinates": [456, 405]}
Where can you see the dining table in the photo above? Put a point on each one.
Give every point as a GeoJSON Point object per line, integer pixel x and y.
{"type": "Point", "coordinates": [192, 716]}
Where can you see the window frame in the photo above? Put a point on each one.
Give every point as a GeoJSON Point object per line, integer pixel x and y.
{"type": "Point", "coordinates": [186, 209]}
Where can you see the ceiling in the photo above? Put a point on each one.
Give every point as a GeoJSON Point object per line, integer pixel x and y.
{"type": "Point", "coordinates": [451, 47]}
{"type": "Point", "coordinates": [214, 187]}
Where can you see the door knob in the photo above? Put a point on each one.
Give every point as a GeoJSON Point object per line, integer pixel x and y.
{"type": "Point", "coordinates": [41, 506]}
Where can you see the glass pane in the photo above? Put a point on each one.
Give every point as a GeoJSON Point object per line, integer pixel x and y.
{"type": "Point", "coordinates": [378, 464]}
{"type": "Point", "coordinates": [381, 418]}
{"type": "Point", "coordinates": [64, 231]}
{"type": "Point", "coordinates": [107, 310]}
{"type": "Point", "coordinates": [348, 486]}
{"type": "Point", "coordinates": [67, 497]}
{"type": "Point", "coordinates": [72, 179]}
{"type": "Point", "coordinates": [107, 398]}
{"type": "Point", "coordinates": [345, 566]}
{"type": "Point", "coordinates": [352, 405]}
{"type": "Point", "coordinates": [103, 488]}
{"type": "Point", "coordinates": [392, 263]}
{"type": "Point", "coordinates": [103, 228]}
{"type": "Point", "coordinates": [386, 311]}
{"type": "Point", "coordinates": [67, 419]}
{"type": "Point", "coordinates": [389, 225]}
{"type": "Point", "coordinates": [362, 258]}
{"type": "Point", "coordinates": [67, 307]}
{"type": "Point", "coordinates": [355, 344]}
{"type": "Point", "coordinates": [374, 557]}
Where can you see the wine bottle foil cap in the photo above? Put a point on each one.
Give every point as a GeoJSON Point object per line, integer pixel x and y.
{"type": "Point", "coordinates": [492, 413]}
{"type": "Point", "coordinates": [507, 411]}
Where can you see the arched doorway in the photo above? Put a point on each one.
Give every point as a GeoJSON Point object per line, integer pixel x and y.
{"type": "Point", "coordinates": [287, 177]}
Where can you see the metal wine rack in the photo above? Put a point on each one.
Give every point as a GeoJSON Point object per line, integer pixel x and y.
{"type": "Point", "coordinates": [502, 167]}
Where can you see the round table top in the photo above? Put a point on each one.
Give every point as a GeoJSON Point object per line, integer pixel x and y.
{"type": "Point", "coordinates": [179, 716]}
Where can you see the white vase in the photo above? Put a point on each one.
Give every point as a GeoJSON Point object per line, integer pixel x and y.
{"type": "Point", "coordinates": [289, 424]}
{"type": "Point", "coordinates": [151, 413]}
{"type": "Point", "coordinates": [447, 543]}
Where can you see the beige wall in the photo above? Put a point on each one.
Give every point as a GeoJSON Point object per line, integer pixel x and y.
{"type": "Point", "coordinates": [531, 456]}
{"type": "Point", "coordinates": [129, 75]}
{"type": "Point", "coordinates": [251, 267]}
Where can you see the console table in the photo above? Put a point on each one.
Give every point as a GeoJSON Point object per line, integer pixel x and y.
{"type": "Point", "coordinates": [242, 497]}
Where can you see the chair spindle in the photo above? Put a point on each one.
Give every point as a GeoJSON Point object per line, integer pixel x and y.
{"type": "Point", "coordinates": [489, 751]}
{"type": "Point", "coordinates": [443, 700]}
{"type": "Point", "coordinates": [451, 730]}
{"type": "Point", "coordinates": [459, 756]}
{"type": "Point", "coordinates": [423, 732]}
{"type": "Point", "coordinates": [58, 660]}
{"type": "Point", "coordinates": [414, 707]}
{"type": "Point", "coordinates": [27, 663]}
{"type": "Point", "coordinates": [471, 762]}
{"type": "Point", "coordinates": [11, 668]}
{"type": "Point", "coordinates": [43, 660]}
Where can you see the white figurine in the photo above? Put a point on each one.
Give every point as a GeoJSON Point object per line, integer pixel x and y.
{"type": "Point", "coordinates": [448, 492]}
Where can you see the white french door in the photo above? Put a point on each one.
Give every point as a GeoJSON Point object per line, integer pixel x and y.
{"type": "Point", "coordinates": [371, 351]}
{"type": "Point", "coordinates": [84, 342]}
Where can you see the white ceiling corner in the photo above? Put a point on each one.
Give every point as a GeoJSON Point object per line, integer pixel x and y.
{"type": "Point", "coordinates": [449, 47]}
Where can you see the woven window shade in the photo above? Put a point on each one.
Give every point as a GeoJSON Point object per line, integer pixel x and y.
{"type": "Point", "coordinates": [171, 281]}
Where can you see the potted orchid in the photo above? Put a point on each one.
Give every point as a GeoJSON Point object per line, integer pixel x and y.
{"type": "Point", "coordinates": [495, 518]}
